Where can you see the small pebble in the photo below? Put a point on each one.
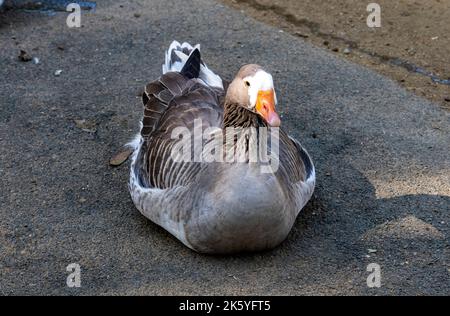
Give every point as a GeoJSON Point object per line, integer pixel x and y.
{"type": "Point", "coordinates": [347, 51]}
{"type": "Point", "coordinates": [58, 72]}
{"type": "Point", "coordinates": [35, 60]}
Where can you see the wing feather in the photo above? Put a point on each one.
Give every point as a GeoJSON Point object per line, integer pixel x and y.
{"type": "Point", "coordinates": [174, 101]}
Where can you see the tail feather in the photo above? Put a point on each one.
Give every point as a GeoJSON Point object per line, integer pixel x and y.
{"type": "Point", "coordinates": [177, 56]}
{"type": "Point", "coordinates": [191, 68]}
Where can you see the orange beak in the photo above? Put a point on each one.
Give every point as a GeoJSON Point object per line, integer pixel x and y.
{"type": "Point", "coordinates": [265, 106]}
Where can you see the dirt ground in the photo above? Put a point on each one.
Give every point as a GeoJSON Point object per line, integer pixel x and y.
{"type": "Point", "coordinates": [412, 44]}
{"type": "Point", "coordinates": [381, 154]}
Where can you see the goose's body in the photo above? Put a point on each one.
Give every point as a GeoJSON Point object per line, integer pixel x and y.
{"type": "Point", "coordinates": [215, 206]}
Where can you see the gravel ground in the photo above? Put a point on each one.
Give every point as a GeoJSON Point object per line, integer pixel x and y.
{"type": "Point", "coordinates": [381, 153]}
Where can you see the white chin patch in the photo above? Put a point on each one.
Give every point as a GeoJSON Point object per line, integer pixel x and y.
{"type": "Point", "coordinates": [260, 81]}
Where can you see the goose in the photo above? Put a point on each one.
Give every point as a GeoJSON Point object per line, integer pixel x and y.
{"type": "Point", "coordinates": [240, 203]}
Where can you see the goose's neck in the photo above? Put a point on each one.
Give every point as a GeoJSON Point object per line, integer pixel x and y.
{"type": "Point", "coordinates": [237, 116]}
{"type": "Point", "coordinates": [242, 126]}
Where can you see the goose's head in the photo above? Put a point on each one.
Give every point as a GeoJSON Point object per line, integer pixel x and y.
{"type": "Point", "coordinates": [253, 89]}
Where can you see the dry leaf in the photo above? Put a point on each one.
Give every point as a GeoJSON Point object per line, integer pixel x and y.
{"type": "Point", "coordinates": [120, 158]}
{"type": "Point", "coordinates": [86, 126]}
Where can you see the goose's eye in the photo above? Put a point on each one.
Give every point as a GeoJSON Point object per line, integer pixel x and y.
{"type": "Point", "coordinates": [247, 83]}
